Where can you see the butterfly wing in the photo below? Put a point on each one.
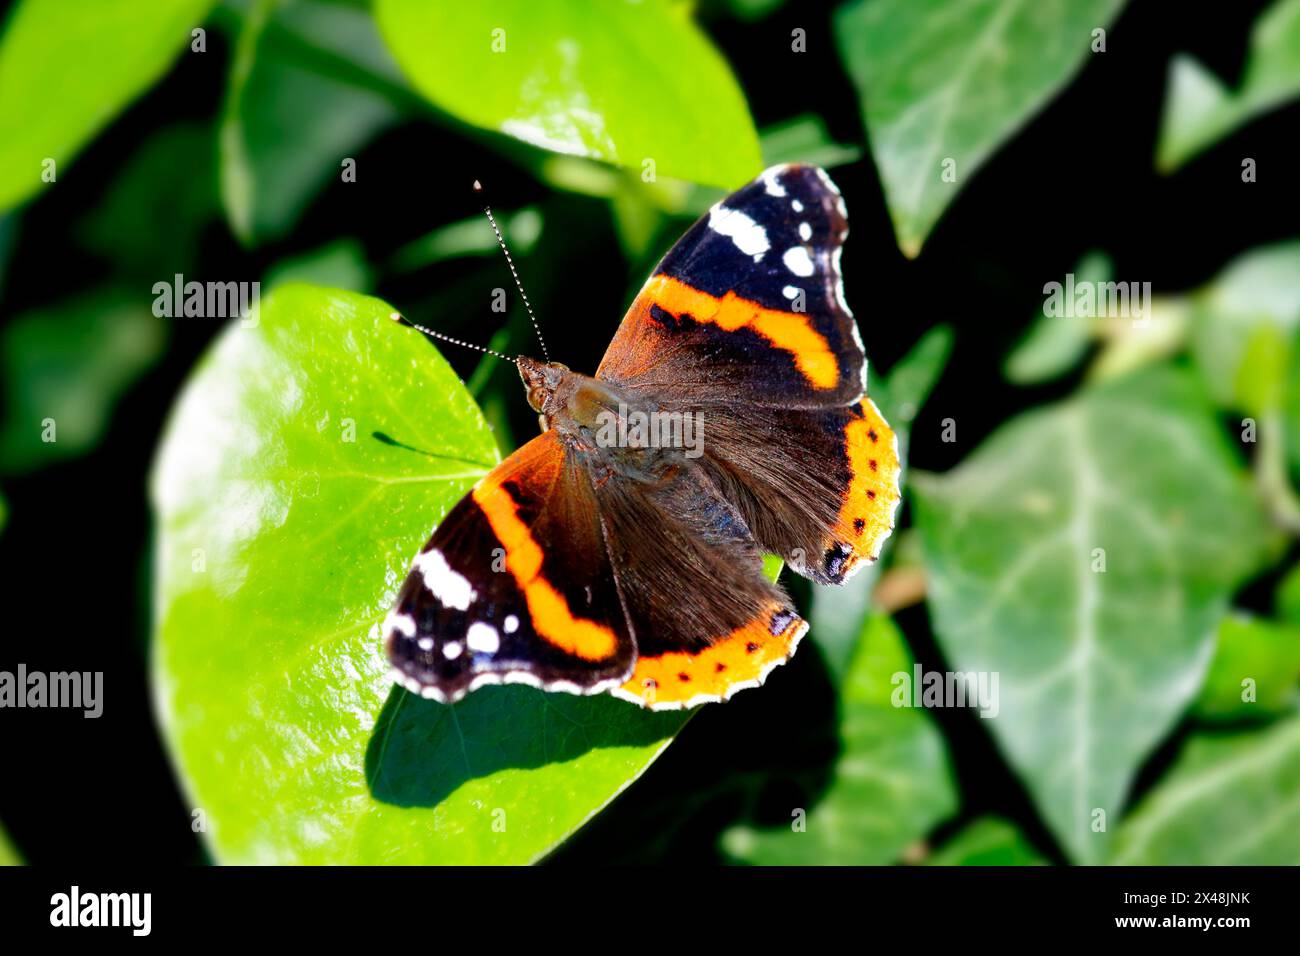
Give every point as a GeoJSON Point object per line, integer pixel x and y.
{"type": "Point", "coordinates": [750, 296]}
{"type": "Point", "coordinates": [788, 437]}
{"type": "Point", "coordinates": [706, 621]}
{"type": "Point", "coordinates": [514, 586]}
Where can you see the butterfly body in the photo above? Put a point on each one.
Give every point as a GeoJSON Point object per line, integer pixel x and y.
{"type": "Point", "coordinates": [621, 550]}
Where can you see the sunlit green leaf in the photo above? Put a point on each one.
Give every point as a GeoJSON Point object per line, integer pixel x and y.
{"type": "Point", "coordinates": [944, 84]}
{"type": "Point", "coordinates": [1229, 800]}
{"type": "Point", "coordinates": [988, 841]}
{"type": "Point", "coordinates": [1200, 109]}
{"type": "Point", "coordinates": [889, 786]}
{"type": "Point", "coordinates": [282, 543]}
{"type": "Point", "coordinates": [619, 81]}
{"type": "Point", "coordinates": [68, 67]}
{"type": "Point", "coordinates": [1084, 553]}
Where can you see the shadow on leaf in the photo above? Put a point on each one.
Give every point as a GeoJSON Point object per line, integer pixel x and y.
{"type": "Point", "coordinates": [420, 751]}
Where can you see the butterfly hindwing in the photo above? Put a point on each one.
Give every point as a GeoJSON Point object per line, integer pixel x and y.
{"type": "Point", "coordinates": [788, 435]}
{"type": "Point", "coordinates": [819, 487]}
{"type": "Point", "coordinates": [705, 619]}
{"type": "Point", "coordinates": [514, 586]}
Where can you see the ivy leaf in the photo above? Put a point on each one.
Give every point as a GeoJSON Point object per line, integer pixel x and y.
{"type": "Point", "coordinates": [988, 841]}
{"type": "Point", "coordinates": [890, 785]}
{"type": "Point", "coordinates": [1200, 110]}
{"type": "Point", "coordinates": [1055, 344]}
{"type": "Point", "coordinates": [593, 83]}
{"type": "Point", "coordinates": [954, 81]}
{"type": "Point", "coordinates": [1242, 324]}
{"type": "Point", "coordinates": [838, 612]}
{"type": "Point", "coordinates": [292, 115]}
{"type": "Point", "coordinates": [1251, 648]}
{"type": "Point", "coordinates": [1133, 477]}
{"type": "Point", "coordinates": [68, 68]}
{"type": "Point", "coordinates": [281, 546]}
{"type": "Point", "coordinates": [1227, 801]}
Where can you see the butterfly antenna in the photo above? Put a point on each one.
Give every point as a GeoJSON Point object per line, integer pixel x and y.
{"type": "Point", "coordinates": [478, 188]}
{"type": "Point", "coordinates": [398, 317]}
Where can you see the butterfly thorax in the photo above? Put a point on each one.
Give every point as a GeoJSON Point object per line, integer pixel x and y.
{"type": "Point", "coordinates": [598, 419]}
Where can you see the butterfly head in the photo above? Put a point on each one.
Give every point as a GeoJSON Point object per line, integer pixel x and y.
{"type": "Point", "coordinates": [541, 379]}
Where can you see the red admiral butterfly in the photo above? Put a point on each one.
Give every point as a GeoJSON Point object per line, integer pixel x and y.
{"type": "Point", "coordinates": [596, 558]}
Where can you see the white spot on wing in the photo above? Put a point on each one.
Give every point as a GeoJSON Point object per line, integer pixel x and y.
{"type": "Point", "coordinates": [511, 624]}
{"type": "Point", "coordinates": [451, 589]}
{"type": "Point", "coordinates": [797, 261]}
{"type": "Point", "coordinates": [749, 237]}
{"type": "Point", "coordinates": [771, 180]}
{"type": "Point", "coordinates": [400, 623]}
{"type": "Point", "coordinates": [805, 231]}
{"type": "Point", "coordinates": [796, 205]}
{"type": "Point", "coordinates": [451, 650]}
{"type": "Point", "coordinates": [482, 638]}
{"type": "Point", "coordinates": [790, 291]}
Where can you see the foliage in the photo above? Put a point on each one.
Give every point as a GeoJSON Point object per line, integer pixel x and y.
{"type": "Point", "coordinates": [1108, 526]}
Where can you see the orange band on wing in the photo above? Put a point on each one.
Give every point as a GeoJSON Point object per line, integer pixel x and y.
{"type": "Point", "coordinates": [790, 331]}
{"type": "Point", "coordinates": [867, 511]}
{"type": "Point", "coordinates": [551, 617]}
{"type": "Point", "coordinates": [741, 659]}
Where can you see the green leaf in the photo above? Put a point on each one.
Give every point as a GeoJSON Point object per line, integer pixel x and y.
{"type": "Point", "coordinates": [1242, 325]}
{"type": "Point", "coordinates": [988, 841]}
{"type": "Point", "coordinates": [272, 687]}
{"type": "Point", "coordinates": [151, 220]}
{"type": "Point", "coordinates": [890, 785]}
{"type": "Point", "coordinates": [954, 81]}
{"type": "Point", "coordinates": [9, 855]}
{"type": "Point", "coordinates": [1200, 110]}
{"type": "Point", "coordinates": [1227, 801]}
{"type": "Point", "coordinates": [838, 612]}
{"type": "Point", "coordinates": [804, 139]}
{"type": "Point", "coordinates": [63, 368]}
{"type": "Point", "coordinates": [1055, 344]}
{"type": "Point", "coordinates": [1095, 666]}
{"type": "Point", "coordinates": [1262, 652]}
{"type": "Point", "coordinates": [340, 264]}
{"type": "Point", "coordinates": [471, 237]}
{"type": "Point", "coordinates": [1286, 598]}
{"type": "Point", "coordinates": [292, 117]}
{"type": "Point", "coordinates": [68, 67]}
{"type": "Point", "coordinates": [585, 79]}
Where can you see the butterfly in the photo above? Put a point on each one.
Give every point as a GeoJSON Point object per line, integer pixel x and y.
{"type": "Point", "coordinates": [621, 549]}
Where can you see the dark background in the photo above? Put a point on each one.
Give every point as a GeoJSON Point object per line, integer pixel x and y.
{"type": "Point", "coordinates": [76, 553]}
